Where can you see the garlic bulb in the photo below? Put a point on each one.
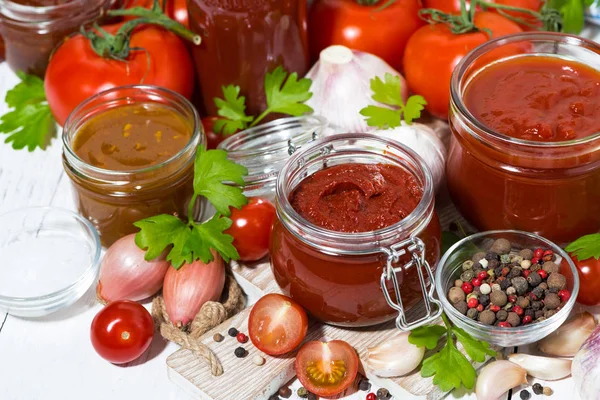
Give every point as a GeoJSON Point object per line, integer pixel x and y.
{"type": "Point", "coordinates": [423, 141]}
{"type": "Point", "coordinates": [549, 369]}
{"type": "Point", "coordinates": [395, 357]}
{"type": "Point", "coordinates": [341, 87]}
{"type": "Point", "coordinates": [566, 340]}
{"type": "Point", "coordinates": [497, 378]}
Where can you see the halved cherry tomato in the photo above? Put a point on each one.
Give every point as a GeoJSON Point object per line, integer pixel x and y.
{"type": "Point", "coordinates": [277, 324]}
{"type": "Point", "coordinates": [326, 368]}
{"type": "Point", "coordinates": [122, 331]}
{"type": "Point", "coordinates": [251, 228]}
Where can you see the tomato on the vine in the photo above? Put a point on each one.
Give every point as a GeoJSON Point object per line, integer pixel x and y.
{"type": "Point", "coordinates": [326, 368]}
{"type": "Point", "coordinates": [76, 72]}
{"type": "Point", "coordinates": [433, 52]}
{"type": "Point", "coordinates": [251, 228]}
{"type": "Point", "coordinates": [277, 324]}
{"type": "Point", "coordinates": [364, 25]}
{"type": "Point", "coordinates": [176, 9]}
{"type": "Point", "coordinates": [589, 280]}
{"type": "Point", "coordinates": [122, 331]}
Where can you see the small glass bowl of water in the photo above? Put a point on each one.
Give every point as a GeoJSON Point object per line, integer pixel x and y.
{"type": "Point", "coordinates": [49, 257]}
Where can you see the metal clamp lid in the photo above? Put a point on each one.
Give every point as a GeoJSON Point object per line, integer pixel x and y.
{"type": "Point", "coordinates": [416, 249]}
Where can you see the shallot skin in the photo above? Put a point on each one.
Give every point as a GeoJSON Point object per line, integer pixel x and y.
{"type": "Point", "coordinates": [187, 289]}
{"type": "Point", "coordinates": [126, 275]}
{"type": "Point", "coordinates": [586, 367]}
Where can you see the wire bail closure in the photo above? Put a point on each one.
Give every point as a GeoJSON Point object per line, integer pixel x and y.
{"type": "Point", "coordinates": [416, 249]}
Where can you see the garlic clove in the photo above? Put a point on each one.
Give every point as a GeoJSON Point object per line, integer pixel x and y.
{"type": "Point", "coordinates": [566, 340]}
{"type": "Point", "coordinates": [395, 357]}
{"type": "Point", "coordinates": [546, 368]}
{"type": "Point", "coordinates": [497, 378]}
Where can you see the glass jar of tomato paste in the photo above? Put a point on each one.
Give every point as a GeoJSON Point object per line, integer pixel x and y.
{"type": "Point", "coordinates": [32, 28]}
{"type": "Point", "coordinates": [242, 40]}
{"type": "Point", "coordinates": [264, 149]}
{"type": "Point", "coordinates": [357, 278]}
{"type": "Point", "coordinates": [129, 152]}
{"type": "Point", "coordinates": [525, 149]}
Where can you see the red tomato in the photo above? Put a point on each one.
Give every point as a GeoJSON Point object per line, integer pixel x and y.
{"type": "Point", "coordinates": [212, 139]}
{"type": "Point", "coordinates": [362, 27]}
{"type": "Point", "coordinates": [433, 52]}
{"type": "Point", "coordinates": [534, 5]}
{"type": "Point", "coordinates": [251, 228]}
{"type": "Point", "coordinates": [176, 9]}
{"type": "Point", "coordinates": [589, 281]}
{"type": "Point", "coordinates": [76, 72]}
{"type": "Point", "coordinates": [122, 331]}
{"type": "Point", "coordinates": [277, 324]}
{"type": "Point", "coordinates": [447, 6]}
{"type": "Point", "coordinates": [326, 369]}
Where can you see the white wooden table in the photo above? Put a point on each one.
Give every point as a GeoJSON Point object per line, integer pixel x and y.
{"type": "Point", "coordinates": [51, 357]}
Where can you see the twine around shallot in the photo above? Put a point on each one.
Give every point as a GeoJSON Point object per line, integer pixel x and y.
{"type": "Point", "coordinates": [211, 315]}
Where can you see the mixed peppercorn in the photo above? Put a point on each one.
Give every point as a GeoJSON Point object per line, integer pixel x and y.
{"type": "Point", "coordinates": [507, 288]}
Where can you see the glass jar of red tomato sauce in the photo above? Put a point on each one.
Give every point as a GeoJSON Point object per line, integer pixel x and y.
{"type": "Point", "coordinates": [32, 28]}
{"type": "Point", "coordinates": [539, 172]}
{"type": "Point", "coordinates": [364, 278]}
{"type": "Point", "coordinates": [242, 40]}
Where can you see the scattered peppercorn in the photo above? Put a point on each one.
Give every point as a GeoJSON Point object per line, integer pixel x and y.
{"type": "Point", "coordinates": [364, 385]}
{"type": "Point", "coordinates": [285, 392]}
{"type": "Point", "coordinates": [504, 325]}
{"type": "Point", "coordinates": [274, 397]}
{"type": "Point", "coordinates": [550, 267]}
{"type": "Point", "coordinates": [527, 319]}
{"type": "Point", "coordinates": [258, 360]}
{"type": "Point", "coordinates": [467, 287]}
{"type": "Point", "coordinates": [473, 303]}
{"type": "Point", "coordinates": [501, 315]}
{"type": "Point", "coordinates": [537, 388]}
{"type": "Point", "coordinates": [371, 396]}
{"type": "Point", "coordinates": [218, 337]}
{"type": "Point", "coordinates": [383, 394]}
{"type": "Point", "coordinates": [525, 395]}
{"type": "Point", "coordinates": [472, 313]}
{"type": "Point", "coordinates": [564, 295]}
{"type": "Point", "coordinates": [240, 352]}
{"type": "Point", "coordinates": [462, 307]}
{"type": "Point", "coordinates": [478, 256]}
{"type": "Point", "coordinates": [543, 274]}
{"type": "Point", "coordinates": [548, 391]}
{"type": "Point", "coordinates": [513, 319]}
{"type": "Point", "coordinates": [527, 254]}
{"type": "Point", "coordinates": [311, 396]}
{"type": "Point", "coordinates": [557, 281]}
{"type": "Point", "coordinates": [498, 298]}
{"type": "Point", "coordinates": [241, 337]}
{"type": "Point", "coordinates": [232, 332]}
{"type": "Point", "coordinates": [302, 392]}
{"type": "Point", "coordinates": [501, 246]}
{"type": "Point", "coordinates": [456, 294]}
{"type": "Point", "coordinates": [487, 317]}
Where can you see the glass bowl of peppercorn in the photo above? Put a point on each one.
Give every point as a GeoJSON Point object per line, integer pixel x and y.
{"type": "Point", "coordinates": [507, 287]}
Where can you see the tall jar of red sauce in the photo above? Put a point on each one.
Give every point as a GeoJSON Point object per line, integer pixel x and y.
{"type": "Point", "coordinates": [129, 152]}
{"type": "Point", "coordinates": [525, 149]}
{"type": "Point", "coordinates": [242, 40]}
{"type": "Point", "coordinates": [347, 278]}
{"type": "Point", "coordinates": [31, 29]}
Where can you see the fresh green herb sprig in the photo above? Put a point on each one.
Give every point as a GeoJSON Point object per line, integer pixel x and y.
{"type": "Point", "coordinates": [285, 94]}
{"type": "Point", "coordinates": [389, 92]}
{"type": "Point", "coordinates": [29, 123]}
{"type": "Point", "coordinates": [191, 241]}
{"type": "Point", "coordinates": [585, 247]}
{"type": "Point", "coordinates": [449, 367]}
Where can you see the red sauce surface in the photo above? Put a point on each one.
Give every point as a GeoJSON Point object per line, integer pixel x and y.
{"type": "Point", "coordinates": [342, 289]}
{"type": "Point", "coordinates": [539, 98]}
{"type": "Point", "coordinates": [357, 197]}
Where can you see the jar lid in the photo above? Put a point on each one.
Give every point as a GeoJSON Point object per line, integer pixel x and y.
{"type": "Point", "coordinates": [265, 148]}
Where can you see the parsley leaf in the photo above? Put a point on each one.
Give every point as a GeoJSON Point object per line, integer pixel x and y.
{"type": "Point", "coordinates": [233, 108]}
{"type": "Point", "coordinates": [211, 169]}
{"type": "Point", "coordinates": [585, 247]}
{"type": "Point", "coordinates": [30, 123]}
{"type": "Point", "coordinates": [427, 336]}
{"type": "Point", "coordinates": [187, 242]}
{"type": "Point", "coordinates": [475, 349]}
{"type": "Point", "coordinates": [389, 92]}
{"type": "Point", "coordinates": [450, 367]}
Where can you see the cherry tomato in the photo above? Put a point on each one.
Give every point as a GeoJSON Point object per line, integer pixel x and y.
{"type": "Point", "coordinates": [176, 9]}
{"type": "Point", "coordinates": [122, 331]}
{"type": "Point", "coordinates": [212, 139]}
{"type": "Point", "coordinates": [447, 6]}
{"type": "Point", "coordinates": [589, 280]}
{"type": "Point", "coordinates": [251, 228]}
{"type": "Point", "coordinates": [534, 5]}
{"type": "Point", "coordinates": [326, 369]}
{"type": "Point", "coordinates": [364, 27]}
{"type": "Point", "coordinates": [433, 52]}
{"type": "Point", "coordinates": [277, 324]}
{"type": "Point", "coordinates": [76, 72]}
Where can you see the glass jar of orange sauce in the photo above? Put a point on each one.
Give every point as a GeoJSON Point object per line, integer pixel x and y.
{"type": "Point", "coordinates": [356, 236]}
{"type": "Point", "coordinates": [129, 152]}
{"type": "Point", "coordinates": [525, 147]}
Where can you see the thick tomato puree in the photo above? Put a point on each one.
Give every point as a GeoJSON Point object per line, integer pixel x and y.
{"type": "Point", "coordinates": [357, 197]}
{"type": "Point", "coordinates": [541, 98]}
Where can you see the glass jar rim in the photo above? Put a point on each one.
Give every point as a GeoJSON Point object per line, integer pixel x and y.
{"type": "Point", "coordinates": [195, 139]}
{"type": "Point", "coordinates": [27, 14]}
{"type": "Point", "coordinates": [459, 71]}
{"type": "Point", "coordinates": [408, 224]}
